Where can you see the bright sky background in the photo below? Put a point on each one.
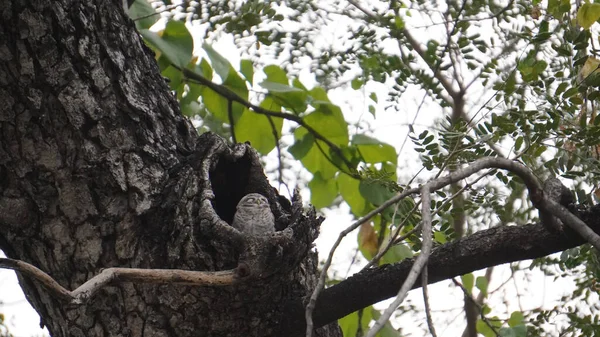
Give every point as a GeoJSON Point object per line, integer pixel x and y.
{"type": "Point", "coordinates": [525, 291]}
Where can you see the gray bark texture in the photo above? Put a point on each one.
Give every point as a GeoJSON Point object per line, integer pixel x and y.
{"type": "Point", "coordinates": [98, 168]}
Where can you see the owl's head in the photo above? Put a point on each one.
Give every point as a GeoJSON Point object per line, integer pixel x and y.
{"type": "Point", "coordinates": [253, 200]}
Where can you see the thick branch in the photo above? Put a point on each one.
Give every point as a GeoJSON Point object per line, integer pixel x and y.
{"type": "Point", "coordinates": [483, 249]}
{"type": "Point", "coordinates": [529, 179]}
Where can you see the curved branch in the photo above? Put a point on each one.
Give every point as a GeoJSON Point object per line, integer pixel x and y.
{"type": "Point", "coordinates": [486, 248]}
{"type": "Point", "coordinates": [533, 185]}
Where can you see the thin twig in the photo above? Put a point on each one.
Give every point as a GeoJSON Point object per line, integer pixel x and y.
{"type": "Point", "coordinates": [424, 278]}
{"type": "Point", "coordinates": [276, 138]}
{"type": "Point", "coordinates": [477, 305]}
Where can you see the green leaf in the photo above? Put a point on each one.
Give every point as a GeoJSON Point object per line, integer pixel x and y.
{"type": "Point", "coordinates": [518, 143]}
{"type": "Point", "coordinates": [588, 14]}
{"type": "Point", "coordinates": [322, 191]}
{"type": "Point", "coordinates": [482, 284]}
{"type": "Point", "coordinates": [302, 146]}
{"type": "Point", "coordinates": [205, 69]}
{"type": "Point", "coordinates": [257, 129]}
{"type": "Point", "coordinates": [520, 330]}
{"type": "Point", "coordinates": [374, 151]}
{"type": "Point", "coordinates": [506, 332]}
{"type": "Point", "coordinates": [297, 84]}
{"type": "Point", "coordinates": [516, 318]}
{"type": "Point", "coordinates": [252, 19]}
{"type": "Point", "coordinates": [440, 237]}
{"type": "Point", "coordinates": [218, 105]}
{"type": "Point", "coordinates": [349, 324]}
{"type": "Point", "coordinates": [398, 22]}
{"type": "Point", "coordinates": [349, 189]}
{"type": "Point", "coordinates": [397, 253]}
{"type": "Point", "coordinates": [373, 96]}
{"type": "Point", "coordinates": [142, 13]}
{"type": "Point", "coordinates": [275, 74]}
{"type": "Point", "coordinates": [278, 87]}
{"type": "Point", "coordinates": [374, 192]}
{"type": "Point", "coordinates": [372, 110]}
{"type": "Point", "coordinates": [540, 66]}
{"type": "Point", "coordinates": [175, 76]}
{"type": "Point", "coordinates": [328, 121]}
{"type": "Point", "coordinates": [570, 92]}
{"type": "Point", "coordinates": [356, 83]}
{"type": "Point", "coordinates": [468, 281]}
{"type": "Point", "coordinates": [194, 89]}
{"type": "Point", "coordinates": [388, 330]}
{"type": "Point", "coordinates": [517, 331]}
{"type": "Point", "coordinates": [484, 329]}
{"type": "Point", "coordinates": [175, 43]}
{"type": "Point", "coordinates": [190, 109]}
{"type": "Point", "coordinates": [247, 69]}
{"type": "Point", "coordinates": [557, 8]}
{"type": "Point", "coordinates": [292, 97]}
{"type": "Point", "coordinates": [221, 65]}
{"type": "Point", "coordinates": [315, 160]}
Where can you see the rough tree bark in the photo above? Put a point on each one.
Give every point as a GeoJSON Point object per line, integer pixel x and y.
{"type": "Point", "coordinates": [99, 169]}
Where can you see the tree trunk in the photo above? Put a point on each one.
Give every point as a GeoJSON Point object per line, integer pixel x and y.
{"type": "Point", "coordinates": [98, 168]}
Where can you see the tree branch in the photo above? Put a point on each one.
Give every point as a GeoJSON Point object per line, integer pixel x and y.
{"type": "Point", "coordinates": [118, 275]}
{"type": "Point", "coordinates": [491, 247]}
{"type": "Point", "coordinates": [536, 194]}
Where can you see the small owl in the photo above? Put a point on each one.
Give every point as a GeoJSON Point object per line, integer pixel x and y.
{"type": "Point", "coordinates": [253, 215]}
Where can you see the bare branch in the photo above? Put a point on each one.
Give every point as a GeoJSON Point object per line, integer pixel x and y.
{"type": "Point", "coordinates": [119, 275]}
{"type": "Point", "coordinates": [424, 277]}
{"type": "Point", "coordinates": [33, 272]}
